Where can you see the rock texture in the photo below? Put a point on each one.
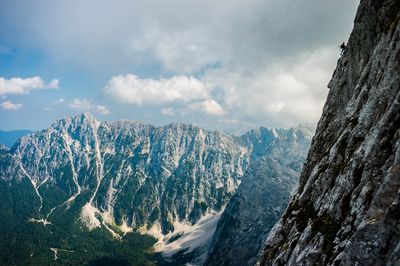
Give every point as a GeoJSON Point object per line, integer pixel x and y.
{"type": "Point", "coordinates": [346, 210]}
{"type": "Point", "coordinates": [124, 176]}
{"type": "Point", "coordinates": [129, 173]}
{"type": "Point", "coordinates": [261, 197]}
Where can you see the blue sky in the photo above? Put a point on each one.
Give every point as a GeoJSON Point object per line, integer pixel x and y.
{"type": "Point", "coordinates": [226, 65]}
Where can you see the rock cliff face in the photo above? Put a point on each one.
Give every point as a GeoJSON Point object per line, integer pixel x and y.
{"type": "Point", "coordinates": [261, 197]}
{"type": "Point", "coordinates": [129, 174]}
{"type": "Point", "coordinates": [346, 210]}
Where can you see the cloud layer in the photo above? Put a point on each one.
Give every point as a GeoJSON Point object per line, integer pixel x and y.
{"type": "Point", "coordinates": [85, 105]}
{"type": "Point", "coordinates": [208, 106]}
{"type": "Point", "coordinates": [265, 62]}
{"type": "Point", "coordinates": [21, 86]}
{"type": "Point", "coordinates": [133, 90]}
{"type": "Point", "coordinates": [8, 105]}
{"type": "Point", "coordinates": [80, 104]}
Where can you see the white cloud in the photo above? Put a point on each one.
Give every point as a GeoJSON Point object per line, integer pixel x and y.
{"type": "Point", "coordinates": [80, 104]}
{"type": "Point", "coordinates": [257, 55]}
{"type": "Point", "coordinates": [169, 111]}
{"type": "Point", "coordinates": [58, 101]}
{"type": "Point", "coordinates": [133, 90]}
{"type": "Point", "coordinates": [86, 105]}
{"type": "Point", "coordinates": [179, 35]}
{"type": "Point", "coordinates": [8, 105]}
{"type": "Point", "coordinates": [102, 109]}
{"type": "Point", "coordinates": [275, 107]}
{"type": "Point", "coordinates": [185, 51]}
{"type": "Point", "coordinates": [24, 86]}
{"type": "Point", "coordinates": [210, 107]}
{"type": "Point", "coordinates": [277, 95]}
{"type": "Point", "coordinates": [53, 84]}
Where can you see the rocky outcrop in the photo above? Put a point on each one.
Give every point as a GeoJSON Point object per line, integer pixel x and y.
{"type": "Point", "coordinates": [262, 195]}
{"type": "Point", "coordinates": [346, 210]}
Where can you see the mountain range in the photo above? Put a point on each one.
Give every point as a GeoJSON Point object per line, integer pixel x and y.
{"type": "Point", "coordinates": [131, 178]}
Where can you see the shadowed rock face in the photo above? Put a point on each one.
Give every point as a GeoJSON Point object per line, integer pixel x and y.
{"type": "Point", "coordinates": [260, 200]}
{"type": "Point", "coordinates": [346, 210]}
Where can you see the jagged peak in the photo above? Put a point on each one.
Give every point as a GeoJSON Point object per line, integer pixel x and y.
{"type": "Point", "coordinates": [3, 147]}
{"type": "Point", "coordinates": [192, 127]}
{"type": "Point", "coordinates": [279, 132]}
{"type": "Point", "coordinates": [85, 118]}
{"type": "Point", "coordinates": [127, 124]}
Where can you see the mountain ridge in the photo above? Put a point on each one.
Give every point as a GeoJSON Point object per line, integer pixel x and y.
{"type": "Point", "coordinates": [8, 138]}
{"type": "Point", "coordinates": [131, 176]}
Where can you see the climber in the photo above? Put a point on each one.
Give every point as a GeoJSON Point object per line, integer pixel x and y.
{"type": "Point", "coordinates": [343, 47]}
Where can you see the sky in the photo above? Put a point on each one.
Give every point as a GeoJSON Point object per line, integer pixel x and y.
{"type": "Point", "coordinates": [219, 64]}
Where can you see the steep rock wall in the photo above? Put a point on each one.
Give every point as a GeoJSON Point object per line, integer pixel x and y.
{"type": "Point", "coordinates": [346, 210]}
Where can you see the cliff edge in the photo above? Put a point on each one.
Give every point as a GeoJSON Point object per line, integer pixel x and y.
{"type": "Point", "coordinates": [346, 210]}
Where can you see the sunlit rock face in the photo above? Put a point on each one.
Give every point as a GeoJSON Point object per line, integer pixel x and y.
{"type": "Point", "coordinates": [172, 182]}
{"type": "Point", "coordinates": [346, 210]}
{"type": "Point", "coordinates": [130, 172]}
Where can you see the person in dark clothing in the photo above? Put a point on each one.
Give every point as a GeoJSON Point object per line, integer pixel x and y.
{"type": "Point", "coordinates": [343, 48]}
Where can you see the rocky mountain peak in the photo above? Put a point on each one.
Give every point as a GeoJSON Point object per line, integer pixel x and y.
{"type": "Point", "coordinates": [125, 176]}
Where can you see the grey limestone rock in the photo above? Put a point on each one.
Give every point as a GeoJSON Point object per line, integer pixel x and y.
{"type": "Point", "coordinates": [346, 210]}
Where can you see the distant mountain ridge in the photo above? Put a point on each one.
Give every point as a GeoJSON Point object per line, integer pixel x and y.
{"type": "Point", "coordinates": [8, 138]}
{"type": "Point", "coordinates": [278, 156]}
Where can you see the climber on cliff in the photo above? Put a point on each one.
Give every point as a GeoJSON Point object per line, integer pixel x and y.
{"type": "Point", "coordinates": [343, 48]}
